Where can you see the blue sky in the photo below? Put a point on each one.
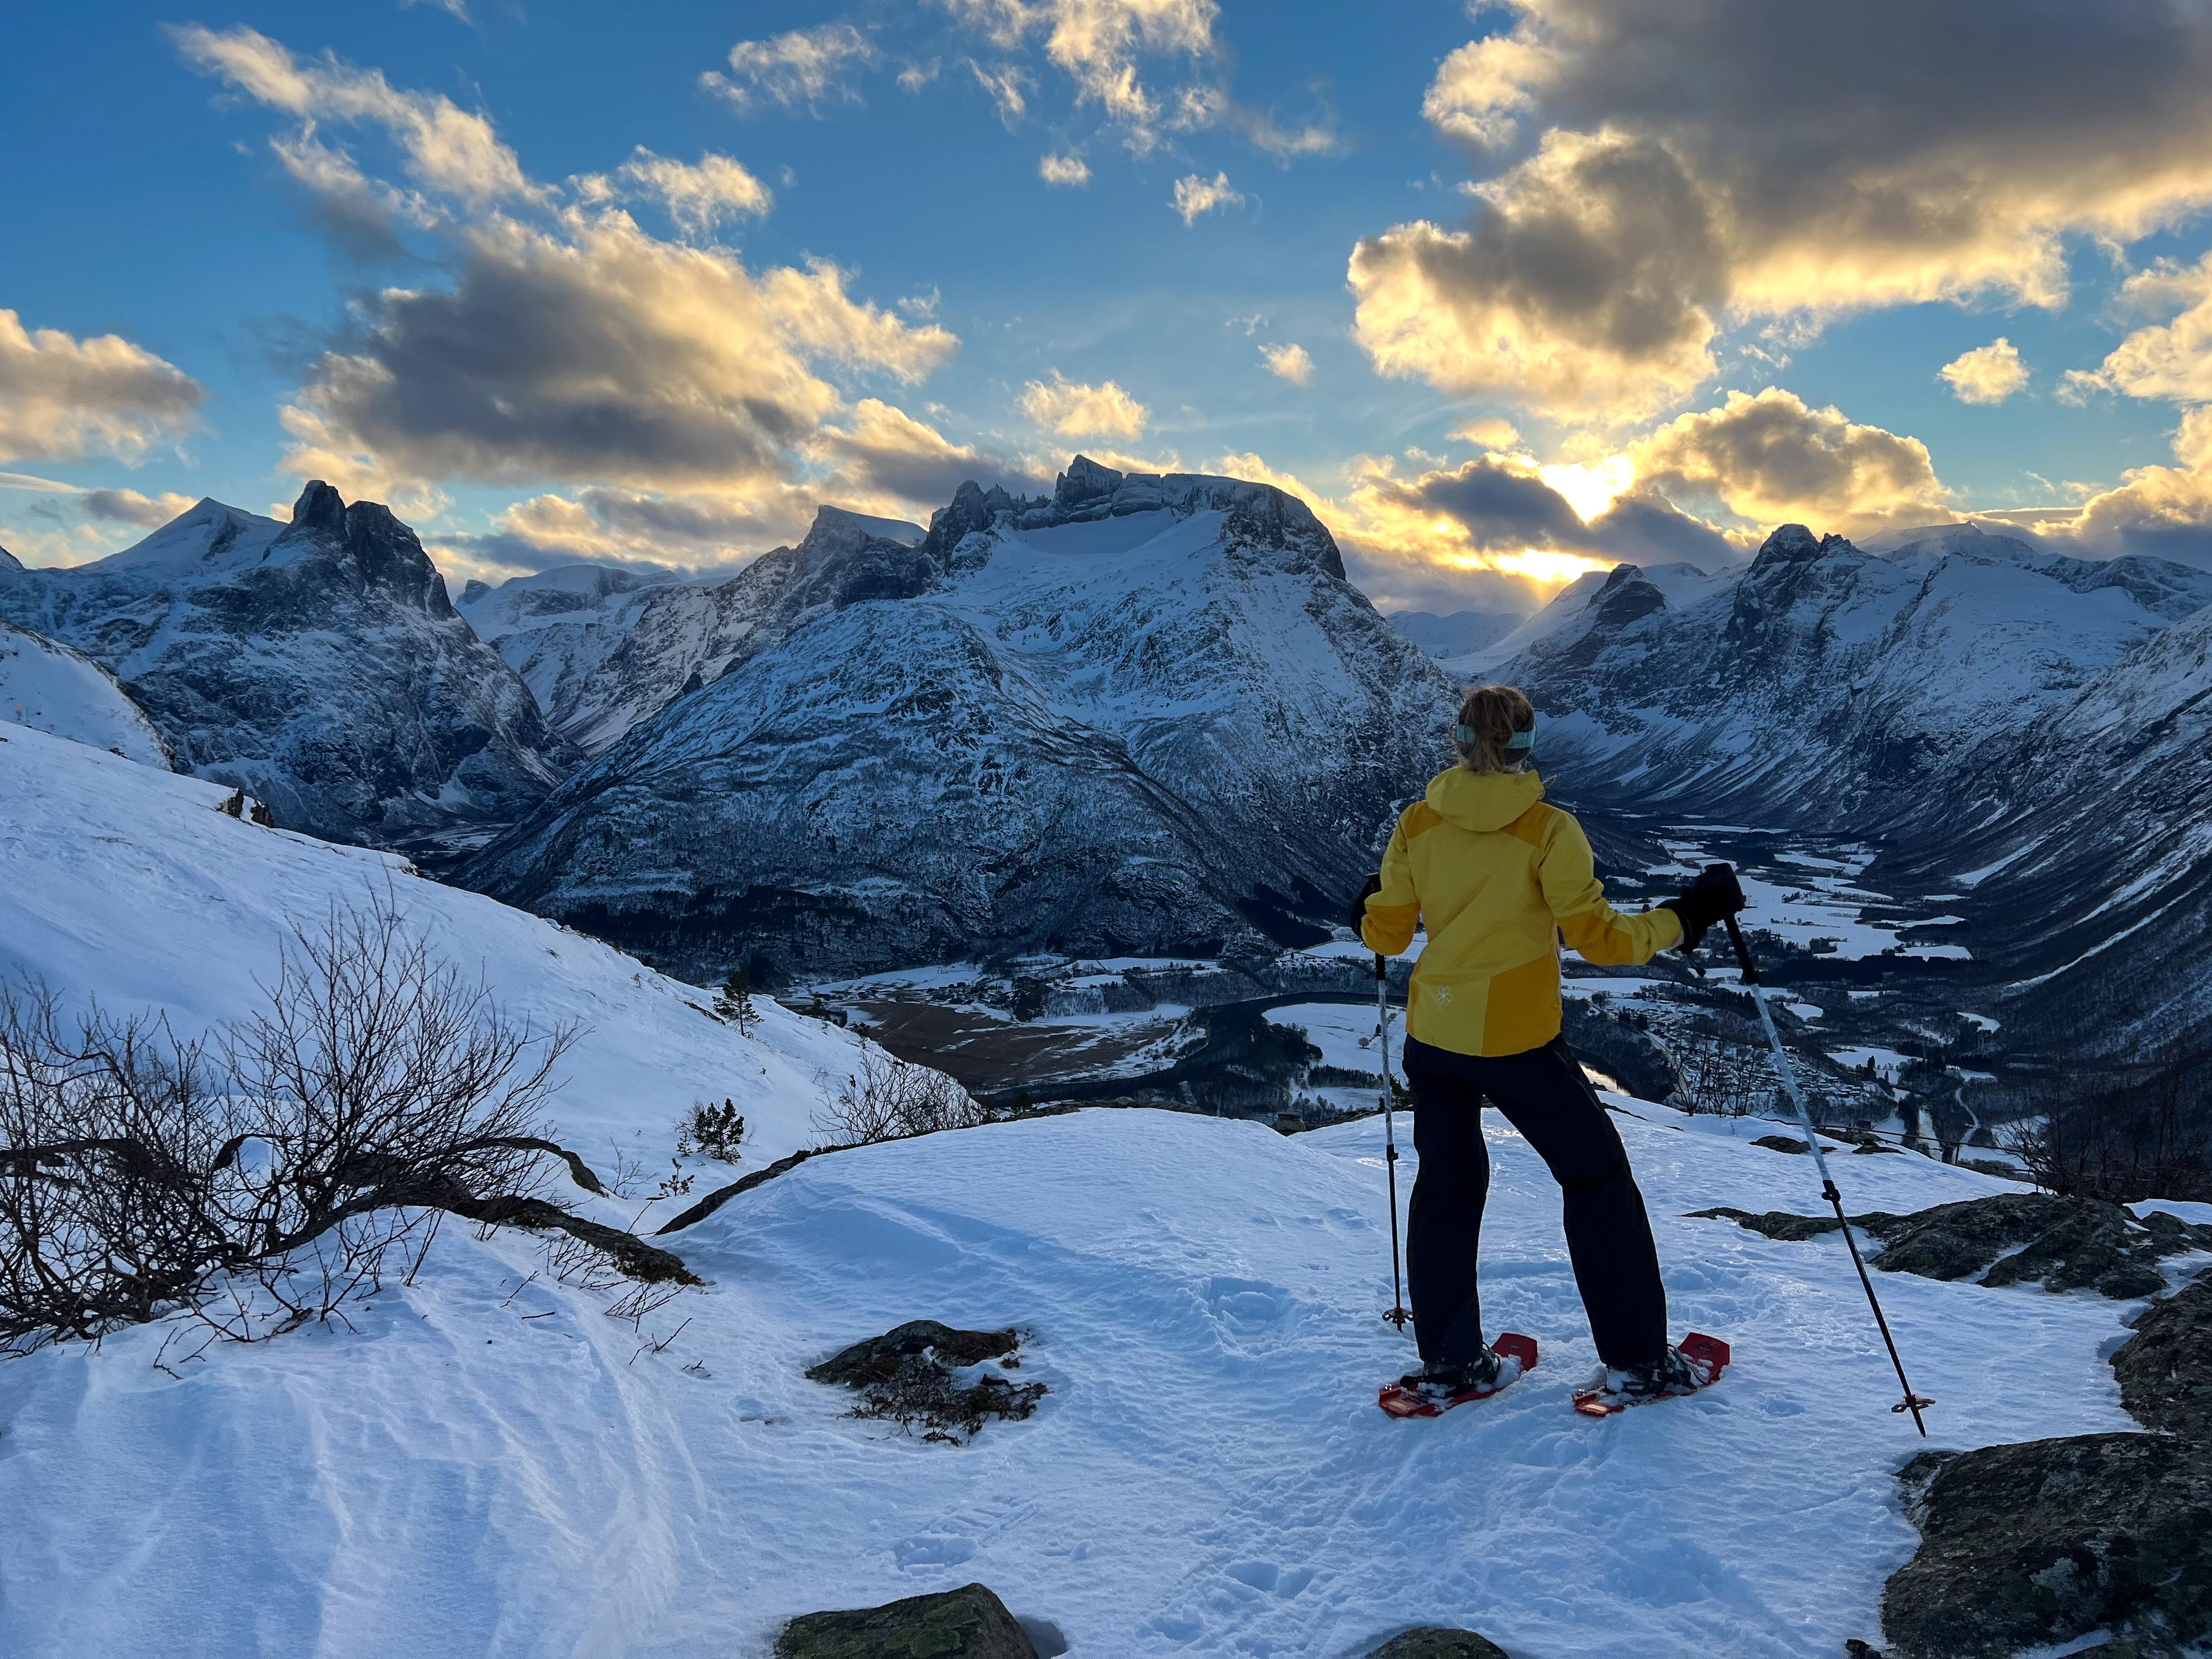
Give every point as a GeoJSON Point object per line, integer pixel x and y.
{"type": "Point", "coordinates": [1544, 236]}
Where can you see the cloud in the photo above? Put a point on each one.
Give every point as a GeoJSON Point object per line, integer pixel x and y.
{"type": "Point", "coordinates": [1100, 44]}
{"type": "Point", "coordinates": [1194, 195]}
{"type": "Point", "coordinates": [594, 351]}
{"type": "Point", "coordinates": [1488, 432]}
{"type": "Point", "coordinates": [1771, 458]}
{"type": "Point", "coordinates": [880, 460]}
{"type": "Point", "coordinates": [129, 507]}
{"type": "Point", "coordinates": [2171, 359]}
{"type": "Point", "coordinates": [917, 75]}
{"type": "Point", "coordinates": [1987, 375]}
{"type": "Point", "coordinates": [1581, 291]}
{"type": "Point", "coordinates": [1624, 214]}
{"type": "Point", "coordinates": [803, 69]}
{"type": "Point", "coordinates": [1284, 141]}
{"type": "Point", "coordinates": [1071, 408]}
{"type": "Point", "coordinates": [1005, 84]}
{"type": "Point", "coordinates": [445, 148]}
{"type": "Point", "coordinates": [1290, 362]}
{"type": "Point", "coordinates": [882, 455]}
{"type": "Point", "coordinates": [2165, 510]}
{"type": "Point", "coordinates": [1063, 171]}
{"type": "Point", "coordinates": [698, 195]}
{"type": "Point", "coordinates": [39, 486]}
{"type": "Point", "coordinates": [61, 398]}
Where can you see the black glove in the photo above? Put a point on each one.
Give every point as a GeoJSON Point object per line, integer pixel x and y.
{"type": "Point", "coordinates": [1714, 895]}
{"type": "Point", "coordinates": [1359, 905]}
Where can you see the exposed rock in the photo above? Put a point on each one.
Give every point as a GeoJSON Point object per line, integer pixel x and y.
{"type": "Point", "coordinates": [1434, 1642]}
{"type": "Point", "coordinates": [2067, 1243]}
{"type": "Point", "coordinates": [2164, 1370]}
{"type": "Point", "coordinates": [1782, 1144]}
{"type": "Point", "coordinates": [907, 1375]}
{"type": "Point", "coordinates": [2036, 1544]}
{"type": "Point", "coordinates": [967, 1623]}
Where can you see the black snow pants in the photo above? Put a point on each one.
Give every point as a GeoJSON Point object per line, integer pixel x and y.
{"type": "Point", "coordinates": [1545, 1096]}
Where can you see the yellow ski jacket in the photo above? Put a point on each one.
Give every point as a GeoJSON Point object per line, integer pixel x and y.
{"type": "Point", "coordinates": [1499, 877]}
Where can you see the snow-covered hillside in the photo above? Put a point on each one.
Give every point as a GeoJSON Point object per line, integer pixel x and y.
{"type": "Point", "coordinates": [46, 685]}
{"type": "Point", "coordinates": [556, 626]}
{"type": "Point", "coordinates": [657, 643]}
{"type": "Point", "coordinates": [129, 885]}
{"type": "Point", "coordinates": [1147, 716]}
{"type": "Point", "coordinates": [317, 663]}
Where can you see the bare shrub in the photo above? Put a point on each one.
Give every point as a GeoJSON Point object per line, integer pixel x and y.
{"type": "Point", "coordinates": [886, 1098]}
{"type": "Point", "coordinates": [2119, 1132]}
{"type": "Point", "coordinates": [1725, 1070]}
{"type": "Point", "coordinates": [373, 1088]}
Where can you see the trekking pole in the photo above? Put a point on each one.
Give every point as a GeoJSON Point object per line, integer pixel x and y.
{"type": "Point", "coordinates": [1912, 1402]}
{"type": "Point", "coordinates": [1397, 1315]}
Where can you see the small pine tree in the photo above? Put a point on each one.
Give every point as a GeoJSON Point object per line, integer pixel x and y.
{"type": "Point", "coordinates": [734, 1002]}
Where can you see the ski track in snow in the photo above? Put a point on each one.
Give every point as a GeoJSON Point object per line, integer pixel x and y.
{"type": "Point", "coordinates": [484, 1465]}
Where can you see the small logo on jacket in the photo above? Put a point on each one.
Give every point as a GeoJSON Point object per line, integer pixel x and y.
{"type": "Point", "coordinates": [1442, 994]}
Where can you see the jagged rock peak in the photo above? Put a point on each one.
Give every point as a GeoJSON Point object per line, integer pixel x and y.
{"type": "Point", "coordinates": [318, 508]}
{"type": "Point", "coordinates": [1085, 480]}
{"type": "Point", "coordinates": [1793, 544]}
{"type": "Point", "coordinates": [9, 561]}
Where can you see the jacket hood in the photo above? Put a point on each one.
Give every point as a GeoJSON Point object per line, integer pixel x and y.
{"type": "Point", "coordinates": [1483, 800]}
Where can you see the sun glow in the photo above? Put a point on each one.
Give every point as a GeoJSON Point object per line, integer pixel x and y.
{"type": "Point", "coordinates": [1539, 564]}
{"type": "Point", "coordinates": [1589, 490]}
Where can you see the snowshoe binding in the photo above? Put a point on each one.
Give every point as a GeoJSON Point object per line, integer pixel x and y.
{"type": "Point", "coordinates": [1435, 1389]}
{"type": "Point", "coordinates": [1696, 1365]}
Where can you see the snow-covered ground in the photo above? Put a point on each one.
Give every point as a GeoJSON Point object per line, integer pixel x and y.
{"type": "Point", "coordinates": [49, 687]}
{"type": "Point", "coordinates": [486, 1464]}
{"type": "Point", "coordinates": [480, 1470]}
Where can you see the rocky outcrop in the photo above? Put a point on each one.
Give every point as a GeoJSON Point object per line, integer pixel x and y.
{"type": "Point", "coordinates": [2027, 1545]}
{"type": "Point", "coordinates": [910, 1376]}
{"type": "Point", "coordinates": [967, 1623]}
{"type": "Point", "coordinates": [317, 664]}
{"type": "Point", "coordinates": [2009, 1238]}
{"type": "Point", "coordinates": [1434, 1642]}
{"type": "Point", "coordinates": [2032, 1544]}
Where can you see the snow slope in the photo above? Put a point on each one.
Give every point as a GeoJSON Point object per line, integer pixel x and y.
{"type": "Point", "coordinates": [46, 685]}
{"type": "Point", "coordinates": [556, 627]}
{"type": "Point", "coordinates": [1147, 717]}
{"type": "Point", "coordinates": [129, 885]}
{"type": "Point", "coordinates": [316, 663]}
{"type": "Point", "coordinates": [487, 1471]}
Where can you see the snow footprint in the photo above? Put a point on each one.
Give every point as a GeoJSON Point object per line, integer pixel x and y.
{"type": "Point", "coordinates": [1270, 1579]}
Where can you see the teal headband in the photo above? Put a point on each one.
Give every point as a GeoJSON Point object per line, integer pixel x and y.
{"type": "Point", "coordinates": [1520, 742]}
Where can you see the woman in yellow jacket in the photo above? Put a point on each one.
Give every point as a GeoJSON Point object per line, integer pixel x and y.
{"type": "Point", "coordinates": [1499, 877]}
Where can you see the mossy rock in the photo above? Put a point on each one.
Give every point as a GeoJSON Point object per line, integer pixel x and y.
{"type": "Point", "coordinates": [967, 1623]}
{"type": "Point", "coordinates": [2032, 1545]}
{"type": "Point", "coordinates": [1434, 1642]}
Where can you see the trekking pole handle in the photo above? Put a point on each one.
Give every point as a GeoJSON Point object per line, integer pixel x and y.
{"type": "Point", "coordinates": [1742, 951]}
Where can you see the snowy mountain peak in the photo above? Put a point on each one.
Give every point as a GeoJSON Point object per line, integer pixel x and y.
{"type": "Point", "coordinates": [9, 561]}
{"type": "Point", "coordinates": [1147, 716]}
{"type": "Point", "coordinates": [207, 537]}
{"type": "Point", "coordinates": [1793, 544]}
{"type": "Point", "coordinates": [317, 663]}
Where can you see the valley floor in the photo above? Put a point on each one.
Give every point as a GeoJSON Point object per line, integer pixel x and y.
{"type": "Point", "coordinates": [488, 1465]}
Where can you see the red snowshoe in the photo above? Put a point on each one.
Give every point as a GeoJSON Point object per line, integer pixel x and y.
{"type": "Point", "coordinates": [1427, 1393]}
{"type": "Point", "coordinates": [1696, 1364]}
